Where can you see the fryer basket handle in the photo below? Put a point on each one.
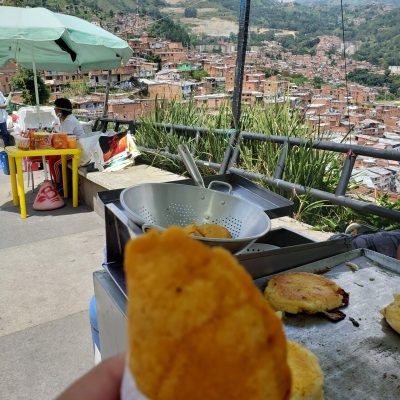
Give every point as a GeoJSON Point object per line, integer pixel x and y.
{"type": "Point", "coordinates": [146, 227]}
{"type": "Point", "coordinates": [221, 183]}
{"type": "Point", "coordinates": [190, 164]}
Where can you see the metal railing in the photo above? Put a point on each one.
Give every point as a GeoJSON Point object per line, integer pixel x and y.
{"type": "Point", "coordinates": [339, 197]}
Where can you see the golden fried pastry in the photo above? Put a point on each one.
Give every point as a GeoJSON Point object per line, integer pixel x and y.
{"type": "Point", "coordinates": [208, 230]}
{"type": "Point", "coordinates": [198, 327]}
{"type": "Point", "coordinates": [307, 376]}
{"type": "Point", "coordinates": [296, 292]}
{"type": "Point", "coordinates": [191, 230]}
{"type": "Point", "coordinates": [214, 231]}
{"type": "Point", "coordinates": [392, 313]}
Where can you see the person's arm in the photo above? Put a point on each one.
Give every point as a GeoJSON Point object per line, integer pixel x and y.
{"type": "Point", "coordinates": [78, 129]}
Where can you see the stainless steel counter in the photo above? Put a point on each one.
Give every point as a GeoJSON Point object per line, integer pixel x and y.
{"type": "Point", "coordinates": [359, 356]}
{"type": "Point", "coordinates": [111, 315]}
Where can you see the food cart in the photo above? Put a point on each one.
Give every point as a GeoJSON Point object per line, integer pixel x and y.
{"type": "Point", "coordinates": [358, 355]}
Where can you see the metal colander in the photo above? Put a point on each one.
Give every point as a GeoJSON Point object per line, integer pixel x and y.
{"type": "Point", "coordinates": [164, 204]}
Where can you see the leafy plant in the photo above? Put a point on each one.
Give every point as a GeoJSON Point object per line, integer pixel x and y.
{"type": "Point", "coordinates": [76, 88]}
{"type": "Point", "coordinates": [24, 80]}
{"type": "Point", "coordinates": [304, 165]}
{"type": "Point", "coordinates": [199, 74]}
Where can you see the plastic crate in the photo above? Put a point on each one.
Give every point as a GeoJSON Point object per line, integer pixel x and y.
{"type": "Point", "coordinates": [4, 163]}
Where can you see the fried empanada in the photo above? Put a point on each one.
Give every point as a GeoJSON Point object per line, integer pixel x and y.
{"type": "Point", "coordinates": [198, 327]}
{"type": "Point", "coordinates": [192, 230]}
{"type": "Point", "coordinates": [392, 313]}
{"type": "Point", "coordinates": [214, 231]}
{"type": "Point", "coordinates": [208, 230]}
{"type": "Point", "coordinates": [307, 376]}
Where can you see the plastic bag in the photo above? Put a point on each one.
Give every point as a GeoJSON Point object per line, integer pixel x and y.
{"type": "Point", "coordinates": [113, 149]}
{"type": "Point", "coordinates": [87, 143]}
{"type": "Point", "coordinates": [129, 390]}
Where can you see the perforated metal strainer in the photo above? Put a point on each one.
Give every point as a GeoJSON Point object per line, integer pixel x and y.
{"type": "Point", "coordinates": [165, 204]}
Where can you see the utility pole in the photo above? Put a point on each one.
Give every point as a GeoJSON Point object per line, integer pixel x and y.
{"type": "Point", "coordinates": [237, 92]}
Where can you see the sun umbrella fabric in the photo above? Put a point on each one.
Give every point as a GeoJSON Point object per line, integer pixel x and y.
{"type": "Point", "coordinates": [57, 42]}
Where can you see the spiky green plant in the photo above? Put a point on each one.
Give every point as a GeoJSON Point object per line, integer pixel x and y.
{"type": "Point", "coordinates": [304, 165]}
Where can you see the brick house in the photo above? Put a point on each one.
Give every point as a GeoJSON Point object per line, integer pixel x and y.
{"type": "Point", "coordinates": [274, 87]}
{"type": "Point", "coordinates": [56, 81]}
{"type": "Point", "coordinates": [212, 101]}
{"type": "Point", "coordinates": [131, 109]}
{"type": "Point", "coordinates": [5, 82]}
{"type": "Point", "coordinates": [6, 73]}
{"type": "Point", "coordinates": [141, 68]}
{"type": "Point", "coordinates": [230, 79]}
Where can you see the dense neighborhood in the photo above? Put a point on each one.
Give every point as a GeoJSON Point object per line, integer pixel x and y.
{"type": "Point", "coordinates": [199, 200]}
{"type": "Point", "coordinates": [161, 71]}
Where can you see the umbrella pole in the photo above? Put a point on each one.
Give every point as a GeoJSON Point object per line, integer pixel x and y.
{"type": "Point", "coordinates": [35, 84]}
{"type": "Point", "coordinates": [105, 107]}
{"type": "Point", "coordinates": [38, 108]}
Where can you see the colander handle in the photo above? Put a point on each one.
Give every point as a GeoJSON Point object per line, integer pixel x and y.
{"type": "Point", "coordinates": [190, 164]}
{"type": "Point", "coordinates": [221, 183]}
{"type": "Point", "coordinates": [146, 227]}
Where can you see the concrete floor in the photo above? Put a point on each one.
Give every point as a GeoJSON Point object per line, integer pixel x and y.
{"type": "Point", "coordinates": [46, 266]}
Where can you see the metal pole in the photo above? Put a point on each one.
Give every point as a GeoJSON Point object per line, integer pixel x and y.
{"type": "Point", "coordinates": [237, 91]}
{"type": "Point", "coordinates": [35, 82]}
{"type": "Point", "coordinates": [240, 61]}
{"type": "Point", "coordinates": [38, 108]}
{"type": "Point", "coordinates": [361, 206]}
{"type": "Point", "coordinates": [105, 107]}
{"type": "Point", "coordinates": [346, 174]}
{"type": "Point", "coordinates": [280, 168]}
{"type": "Point", "coordinates": [388, 154]}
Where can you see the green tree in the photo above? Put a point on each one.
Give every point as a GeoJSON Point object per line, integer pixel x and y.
{"type": "Point", "coordinates": [190, 12]}
{"type": "Point", "coordinates": [364, 77]}
{"type": "Point", "coordinates": [24, 80]}
{"type": "Point", "coordinates": [271, 72]}
{"type": "Point", "coordinates": [154, 58]}
{"type": "Point", "coordinates": [199, 74]}
{"type": "Point", "coordinates": [317, 82]}
{"type": "Point", "coordinates": [384, 95]}
{"type": "Point", "coordinates": [168, 29]}
{"type": "Point", "coordinates": [331, 52]}
{"type": "Point", "coordinates": [76, 88]}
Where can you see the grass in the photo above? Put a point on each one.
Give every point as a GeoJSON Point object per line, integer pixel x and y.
{"type": "Point", "coordinates": [304, 165]}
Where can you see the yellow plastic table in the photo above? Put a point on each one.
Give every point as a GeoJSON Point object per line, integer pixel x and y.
{"type": "Point", "coordinates": [15, 157]}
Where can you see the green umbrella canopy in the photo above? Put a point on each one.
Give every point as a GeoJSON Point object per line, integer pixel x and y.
{"type": "Point", "coordinates": [57, 42]}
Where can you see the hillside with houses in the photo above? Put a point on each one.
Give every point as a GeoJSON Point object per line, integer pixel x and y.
{"type": "Point", "coordinates": [314, 83]}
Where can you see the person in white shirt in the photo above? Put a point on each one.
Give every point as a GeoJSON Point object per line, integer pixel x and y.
{"type": "Point", "coordinates": [68, 124]}
{"type": "Point", "coordinates": [4, 134]}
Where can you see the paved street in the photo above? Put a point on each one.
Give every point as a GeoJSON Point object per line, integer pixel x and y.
{"type": "Point", "coordinates": [46, 266]}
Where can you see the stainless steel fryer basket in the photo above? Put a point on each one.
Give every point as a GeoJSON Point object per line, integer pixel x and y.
{"type": "Point", "coordinates": [165, 204]}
